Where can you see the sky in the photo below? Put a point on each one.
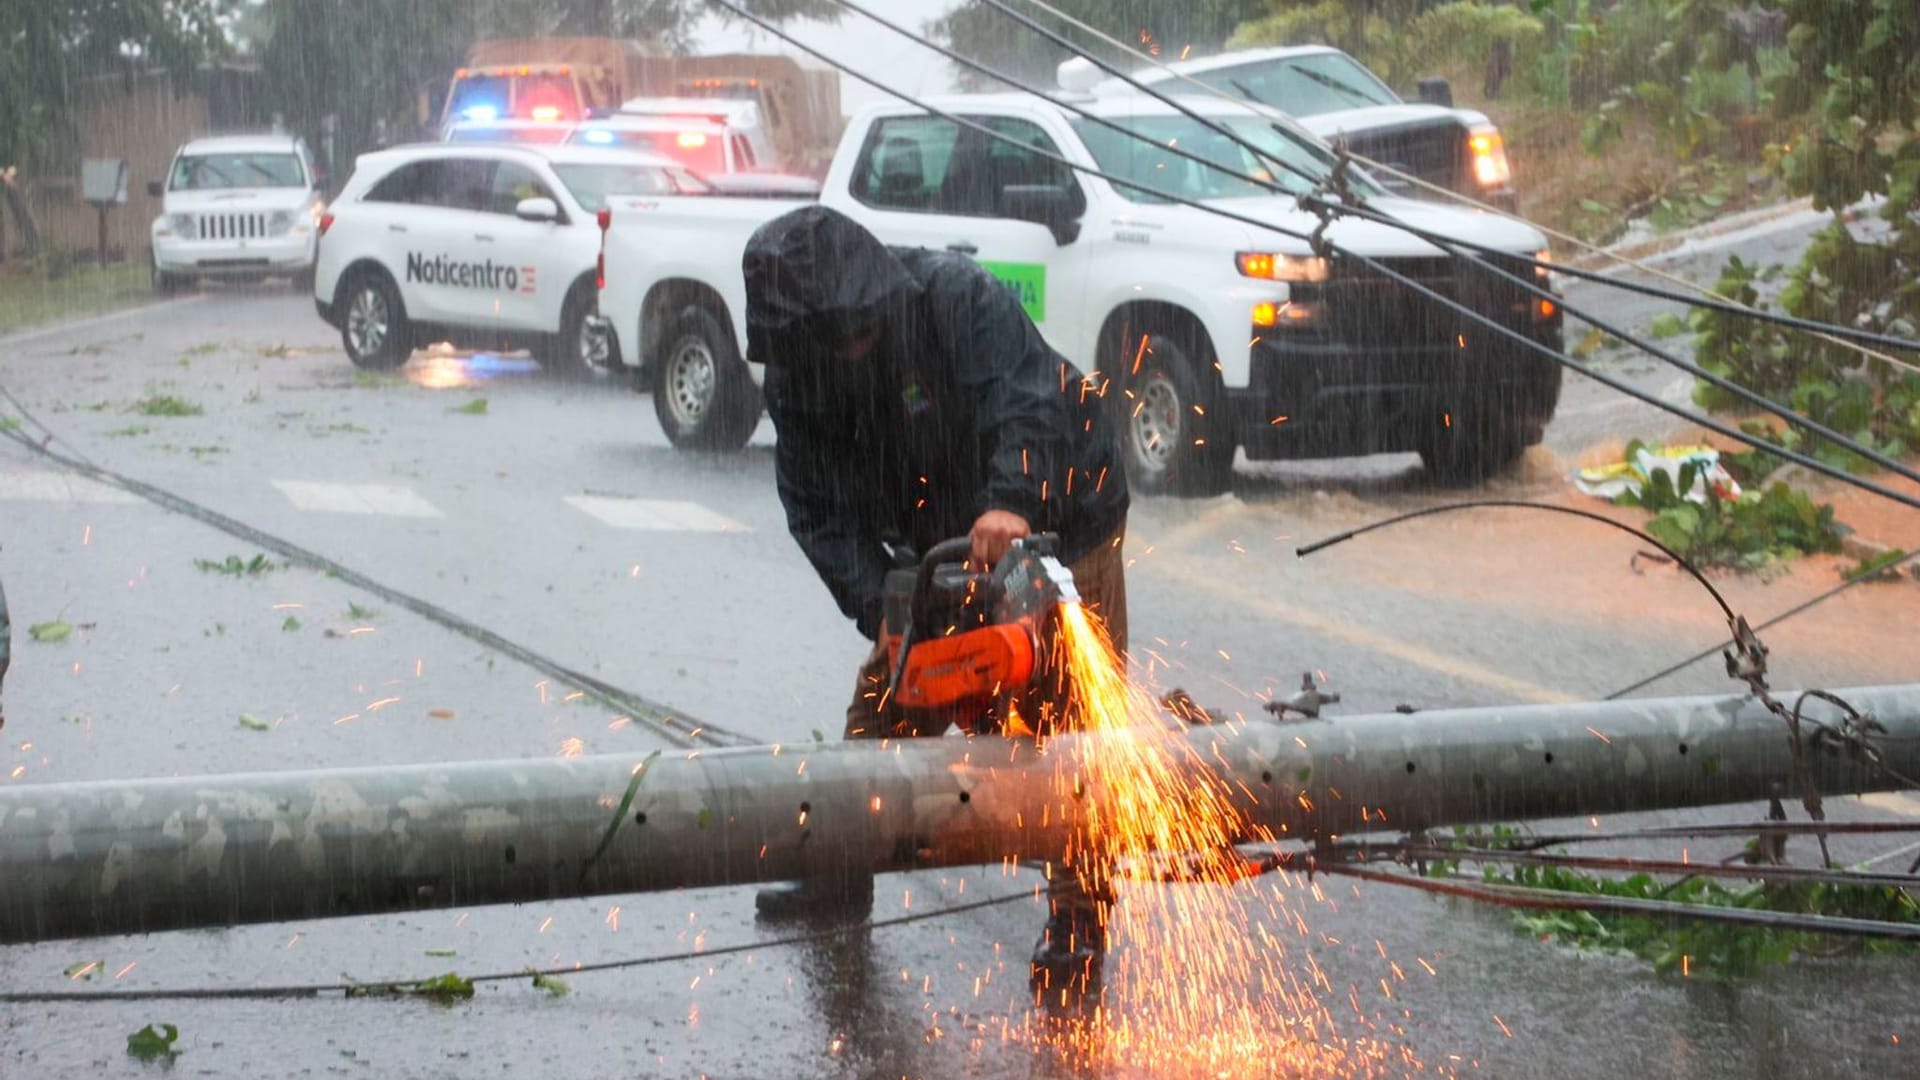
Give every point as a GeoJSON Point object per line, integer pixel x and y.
{"type": "Point", "coordinates": [872, 48]}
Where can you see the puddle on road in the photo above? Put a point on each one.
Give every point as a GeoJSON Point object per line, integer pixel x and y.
{"type": "Point", "coordinates": [441, 367]}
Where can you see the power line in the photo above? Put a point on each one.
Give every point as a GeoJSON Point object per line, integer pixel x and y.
{"type": "Point", "coordinates": [1382, 269]}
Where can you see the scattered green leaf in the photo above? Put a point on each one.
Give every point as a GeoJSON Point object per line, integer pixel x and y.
{"type": "Point", "coordinates": [440, 952]}
{"type": "Point", "coordinates": [166, 405]}
{"type": "Point", "coordinates": [1879, 567]}
{"type": "Point", "coordinates": [84, 969]}
{"type": "Point", "coordinates": [49, 632]}
{"type": "Point", "coordinates": [290, 624]}
{"type": "Point", "coordinates": [552, 985]}
{"type": "Point", "coordinates": [1668, 324]}
{"type": "Point", "coordinates": [356, 612]}
{"type": "Point", "coordinates": [705, 819]}
{"type": "Point", "coordinates": [154, 1042]}
{"type": "Point", "coordinates": [130, 431]}
{"type": "Point", "coordinates": [234, 566]}
{"type": "Point", "coordinates": [476, 407]}
{"type": "Point", "coordinates": [254, 723]}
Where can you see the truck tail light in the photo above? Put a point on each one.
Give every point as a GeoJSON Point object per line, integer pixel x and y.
{"type": "Point", "coordinates": [1489, 151]}
{"type": "Point", "coordinates": [605, 220]}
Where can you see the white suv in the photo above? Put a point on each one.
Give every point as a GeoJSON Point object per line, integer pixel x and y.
{"type": "Point", "coordinates": [240, 206]}
{"type": "Point", "coordinates": [486, 245]}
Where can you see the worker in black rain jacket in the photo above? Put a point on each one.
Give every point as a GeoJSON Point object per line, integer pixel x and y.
{"type": "Point", "coordinates": [914, 400]}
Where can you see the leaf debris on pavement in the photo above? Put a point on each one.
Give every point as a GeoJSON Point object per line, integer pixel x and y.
{"type": "Point", "coordinates": [153, 1042]}
{"type": "Point", "coordinates": [254, 723]}
{"type": "Point", "coordinates": [50, 632]}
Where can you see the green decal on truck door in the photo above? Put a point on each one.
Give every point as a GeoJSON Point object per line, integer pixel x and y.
{"type": "Point", "coordinates": [1028, 282]}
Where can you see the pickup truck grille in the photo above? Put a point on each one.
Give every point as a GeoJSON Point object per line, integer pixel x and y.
{"type": "Point", "coordinates": [1433, 150]}
{"type": "Point", "coordinates": [1363, 307]}
{"type": "Point", "coordinates": [232, 226]}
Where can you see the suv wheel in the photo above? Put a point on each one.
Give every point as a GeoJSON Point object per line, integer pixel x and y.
{"type": "Point", "coordinates": [373, 322]}
{"type": "Point", "coordinates": [702, 393]}
{"type": "Point", "coordinates": [1175, 435]}
{"type": "Point", "coordinates": [163, 283]}
{"type": "Point", "coordinates": [575, 350]}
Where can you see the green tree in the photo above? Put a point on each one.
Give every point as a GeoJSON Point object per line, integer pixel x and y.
{"type": "Point", "coordinates": [48, 46]}
{"type": "Point", "coordinates": [1166, 30]}
{"type": "Point", "coordinates": [1855, 89]}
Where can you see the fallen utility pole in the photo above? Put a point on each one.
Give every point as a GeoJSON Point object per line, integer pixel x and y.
{"type": "Point", "coordinates": [168, 854]}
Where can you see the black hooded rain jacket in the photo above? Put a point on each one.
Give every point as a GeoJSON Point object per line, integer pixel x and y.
{"type": "Point", "coordinates": [960, 408]}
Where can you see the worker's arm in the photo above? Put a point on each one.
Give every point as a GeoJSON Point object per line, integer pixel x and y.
{"type": "Point", "coordinates": [810, 457]}
{"type": "Point", "coordinates": [1016, 379]}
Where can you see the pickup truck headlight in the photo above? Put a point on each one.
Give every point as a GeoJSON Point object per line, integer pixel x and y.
{"type": "Point", "coordinates": [1489, 151]}
{"type": "Point", "coordinates": [1273, 266]}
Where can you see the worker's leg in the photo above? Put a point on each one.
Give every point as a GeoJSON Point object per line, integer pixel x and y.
{"type": "Point", "coordinates": [1101, 577]}
{"type": "Point", "coordinates": [1068, 957]}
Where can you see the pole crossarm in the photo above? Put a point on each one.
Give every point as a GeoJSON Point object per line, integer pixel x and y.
{"type": "Point", "coordinates": [133, 856]}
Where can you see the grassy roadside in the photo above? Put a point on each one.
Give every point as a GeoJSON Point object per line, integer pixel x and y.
{"type": "Point", "coordinates": [28, 298]}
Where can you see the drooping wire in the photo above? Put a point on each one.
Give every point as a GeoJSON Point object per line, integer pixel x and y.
{"type": "Point", "coordinates": [665, 721]}
{"type": "Point", "coordinates": [1776, 620]}
{"type": "Point", "coordinates": [1522, 504]}
{"type": "Point", "coordinates": [1828, 332]}
{"type": "Point", "coordinates": [1452, 245]}
{"type": "Point", "coordinates": [402, 986]}
{"type": "Point", "coordinates": [1385, 271]}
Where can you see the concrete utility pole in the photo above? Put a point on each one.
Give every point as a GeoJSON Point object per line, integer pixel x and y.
{"type": "Point", "coordinates": [167, 854]}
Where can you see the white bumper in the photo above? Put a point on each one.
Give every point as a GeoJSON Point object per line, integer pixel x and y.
{"type": "Point", "coordinates": [290, 253]}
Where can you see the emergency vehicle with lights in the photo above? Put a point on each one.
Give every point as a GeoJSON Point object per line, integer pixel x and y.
{"type": "Point", "coordinates": [236, 206]}
{"type": "Point", "coordinates": [1211, 335]}
{"type": "Point", "coordinates": [712, 136]}
{"type": "Point", "coordinates": [485, 245]}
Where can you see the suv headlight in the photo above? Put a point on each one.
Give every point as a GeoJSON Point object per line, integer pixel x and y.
{"type": "Point", "coordinates": [1273, 266]}
{"type": "Point", "coordinates": [180, 225]}
{"type": "Point", "coordinates": [1488, 148]}
{"type": "Point", "coordinates": [281, 221]}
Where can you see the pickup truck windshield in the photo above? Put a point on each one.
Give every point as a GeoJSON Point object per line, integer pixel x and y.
{"type": "Point", "coordinates": [212, 172]}
{"type": "Point", "coordinates": [1159, 169]}
{"type": "Point", "coordinates": [593, 185]}
{"type": "Point", "coordinates": [1304, 85]}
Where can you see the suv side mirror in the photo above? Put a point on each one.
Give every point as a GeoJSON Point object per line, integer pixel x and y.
{"type": "Point", "coordinates": [1058, 209]}
{"type": "Point", "coordinates": [537, 210]}
{"type": "Point", "coordinates": [156, 189]}
{"type": "Point", "coordinates": [1436, 90]}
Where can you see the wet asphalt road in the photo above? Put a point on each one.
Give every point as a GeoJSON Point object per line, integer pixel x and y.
{"type": "Point", "coordinates": [561, 519]}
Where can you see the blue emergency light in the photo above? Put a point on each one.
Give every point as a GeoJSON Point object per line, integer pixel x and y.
{"type": "Point", "coordinates": [481, 112]}
{"type": "Point", "coordinates": [599, 137]}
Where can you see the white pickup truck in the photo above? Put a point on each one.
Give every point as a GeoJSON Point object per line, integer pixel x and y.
{"type": "Point", "coordinates": [1223, 335]}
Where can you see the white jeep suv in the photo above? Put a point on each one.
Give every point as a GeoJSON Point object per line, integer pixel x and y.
{"type": "Point", "coordinates": [236, 206]}
{"type": "Point", "coordinates": [492, 246]}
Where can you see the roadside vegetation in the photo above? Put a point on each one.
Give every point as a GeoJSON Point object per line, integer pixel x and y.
{"type": "Point", "coordinates": [30, 295]}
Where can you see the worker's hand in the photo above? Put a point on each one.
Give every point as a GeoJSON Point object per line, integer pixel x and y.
{"type": "Point", "coordinates": [994, 533]}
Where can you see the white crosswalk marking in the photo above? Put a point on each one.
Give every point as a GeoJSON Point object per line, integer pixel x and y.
{"type": "Point", "coordinates": [654, 515]}
{"type": "Point", "coordinates": [357, 499]}
{"type": "Point", "coordinates": [34, 485]}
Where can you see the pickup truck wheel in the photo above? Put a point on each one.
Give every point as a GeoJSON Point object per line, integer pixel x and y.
{"type": "Point", "coordinates": [373, 322]}
{"type": "Point", "coordinates": [1466, 450]}
{"type": "Point", "coordinates": [574, 350]}
{"type": "Point", "coordinates": [702, 393]}
{"type": "Point", "coordinates": [1175, 437]}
